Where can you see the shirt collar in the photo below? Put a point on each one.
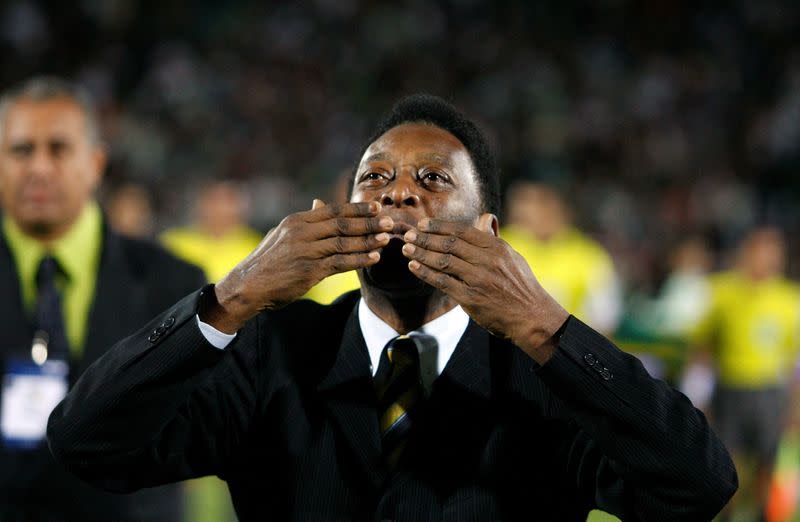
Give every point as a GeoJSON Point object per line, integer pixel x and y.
{"type": "Point", "coordinates": [447, 329]}
{"type": "Point", "coordinates": [75, 251]}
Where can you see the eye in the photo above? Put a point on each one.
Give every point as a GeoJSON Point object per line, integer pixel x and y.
{"type": "Point", "coordinates": [58, 148]}
{"type": "Point", "coordinates": [21, 150]}
{"type": "Point", "coordinates": [374, 178]}
{"type": "Point", "coordinates": [434, 177]}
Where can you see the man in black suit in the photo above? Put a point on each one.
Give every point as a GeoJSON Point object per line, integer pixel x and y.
{"type": "Point", "coordinates": [56, 321]}
{"type": "Point", "coordinates": [453, 388]}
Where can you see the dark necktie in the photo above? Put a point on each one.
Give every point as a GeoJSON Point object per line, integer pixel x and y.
{"type": "Point", "coordinates": [400, 392]}
{"type": "Point", "coordinates": [49, 316]}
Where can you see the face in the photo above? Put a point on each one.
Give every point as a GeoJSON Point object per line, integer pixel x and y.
{"type": "Point", "coordinates": [220, 208]}
{"type": "Point", "coordinates": [538, 209]}
{"type": "Point", "coordinates": [415, 170]}
{"type": "Point", "coordinates": [49, 167]}
{"type": "Point", "coordinates": [764, 254]}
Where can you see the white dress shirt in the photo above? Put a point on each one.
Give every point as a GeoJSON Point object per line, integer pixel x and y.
{"type": "Point", "coordinates": [439, 338]}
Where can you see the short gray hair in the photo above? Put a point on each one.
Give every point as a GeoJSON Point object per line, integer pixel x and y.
{"type": "Point", "coordinates": [46, 88]}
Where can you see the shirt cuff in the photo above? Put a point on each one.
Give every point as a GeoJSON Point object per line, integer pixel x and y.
{"type": "Point", "coordinates": [216, 338]}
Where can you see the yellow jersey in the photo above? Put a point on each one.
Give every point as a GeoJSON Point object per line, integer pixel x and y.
{"type": "Point", "coordinates": [327, 290]}
{"type": "Point", "coordinates": [752, 328]}
{"type": "Point", "coordinates": [576, 270]}
{"type": "Point", "coordinates": [215, 255]}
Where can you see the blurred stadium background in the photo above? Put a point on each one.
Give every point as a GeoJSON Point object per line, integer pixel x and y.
{"type": "Point", "coordinates": [660, 123]}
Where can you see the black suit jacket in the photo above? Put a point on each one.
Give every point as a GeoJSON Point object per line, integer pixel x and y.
{"type": "Point", "coordinates": [136, 280]}
{"type": "Point", "coordinates": [286, 414]}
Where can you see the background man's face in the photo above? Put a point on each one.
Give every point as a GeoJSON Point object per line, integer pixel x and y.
{"type": "Point", "coordinates": [49, 167]}
{"type": "Point", "coordinates": [415, 170]}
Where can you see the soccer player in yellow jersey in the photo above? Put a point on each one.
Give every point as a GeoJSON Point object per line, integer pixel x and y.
{"type": "Point", "coordinates": [571, 266]}
{"type": "Point", "coordinates": [220, 237]}
{"type": "Point", "coordinates": [750, 331]}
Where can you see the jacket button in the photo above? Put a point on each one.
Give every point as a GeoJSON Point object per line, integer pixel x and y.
{"type": "Point", "coordinates": [160, 330]}
{"type": "Point", "coordinates": [169, 322]}
{"type": "Point", "coordinates": [153, 337]}
{"type": "Point", "coordinates": [590, 359]}
{"type": "Point", "coordinates": [606, 374]}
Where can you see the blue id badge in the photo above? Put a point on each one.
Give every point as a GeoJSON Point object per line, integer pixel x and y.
{"type": "Point", "coordinates": [30, 392]}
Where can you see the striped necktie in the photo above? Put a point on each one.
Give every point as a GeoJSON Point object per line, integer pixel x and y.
{"type": "Point", "coordinates": [51, 333]}
{"type": "Point", "coordinates": [400, 392]}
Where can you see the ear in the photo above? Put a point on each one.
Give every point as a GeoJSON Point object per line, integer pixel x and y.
{"type": "Point", "coordinates": [488, 223]}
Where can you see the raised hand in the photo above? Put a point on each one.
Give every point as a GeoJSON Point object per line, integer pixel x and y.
{"type": "Point", "coordinates": [303, 249]}
{"type": "Point", "coordinates": [491, 281]}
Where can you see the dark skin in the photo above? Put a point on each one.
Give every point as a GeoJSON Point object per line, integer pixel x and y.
{"type": "Point", "coordinates": [415, 186]}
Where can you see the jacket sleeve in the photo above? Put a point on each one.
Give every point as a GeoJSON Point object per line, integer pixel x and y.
{"type": "Point", "coordinates": [641, 450]}
{"type": "Point", "coordinates": [162, 405]}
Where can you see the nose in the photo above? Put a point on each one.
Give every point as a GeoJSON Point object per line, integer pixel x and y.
{"type": "Point", "coordinates": [401, 193]}
{"type": "Point", "coordinates": [41, 163]}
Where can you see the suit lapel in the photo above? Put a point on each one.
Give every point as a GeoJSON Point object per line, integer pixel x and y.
{"type": "Point", "coordinates": [468, 368]}
{"type": "Point", "coordinates": [349, 395]}
{"type": "Point", "coordinates": [118, 301]}
{"type": "Point", "coordinates": [12, 309]}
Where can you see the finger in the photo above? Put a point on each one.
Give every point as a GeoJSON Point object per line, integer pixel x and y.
{"type": "Point", "coordinates": [317, 203]}
{"type": "Point", "coordinates": [346, 262]}
{"type": "Point", "coordinates": [465, 231]}
{"type": "Point", "coordinates": [447, 263]}
{"type": "Point", "coordinates": [349, 245]}
{"type": "Point", "coordinates": [345, 210]}
{"type": "Point", "coordinates": [449, 244]}
{"type": "Point", "coordinates": [351, 226]}
{"type": "Point", "coordinates": [444, 282]}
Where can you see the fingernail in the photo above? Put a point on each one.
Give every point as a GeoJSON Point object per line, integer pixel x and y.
{"type": "Point", "coordinates": [374, 256]}
{"type": "Point", "coordinates": [374, 207]}
{"type": "Point", "coordinates": [383, 236]}
{"type": "Point", "coordinates": [423, 224]}
{"type": "Point", "coordinates": [413, 265]}
{"type": "Point", "coordinates": [408, 248]}
{"type": "Point", "coordinates": [410, 236]}
{"type": "Point", "coordinates": [386, 222]}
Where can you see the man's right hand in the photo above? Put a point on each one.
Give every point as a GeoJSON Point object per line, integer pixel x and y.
{"type": "Point", "coordinates": [303, 249]}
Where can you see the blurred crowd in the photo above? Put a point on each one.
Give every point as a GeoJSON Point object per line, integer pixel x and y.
{"type": "Point", "coordinates": [659, 119]}
{"type": "Point", "coordinates": [666, 132]}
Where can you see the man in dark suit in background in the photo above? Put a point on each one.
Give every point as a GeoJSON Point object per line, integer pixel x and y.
{"type": "Point", "coordinates": [70, 287]}
{"type": "Point", "coordinates": [453, 388]}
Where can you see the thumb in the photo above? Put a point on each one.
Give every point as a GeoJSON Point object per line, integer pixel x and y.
{"type": "Point", "coordinates": [318, 203]}
{"type": "Point", "coordinates": [488, 223]}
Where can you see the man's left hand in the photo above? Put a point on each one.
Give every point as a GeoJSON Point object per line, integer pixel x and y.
{"type": "Point", "coordinates": [489, 279]}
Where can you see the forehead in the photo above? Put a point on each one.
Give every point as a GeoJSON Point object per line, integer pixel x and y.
{"type": "Point", "coordinates": [410, 141]}
{"type": "Point", "coordinates": [57, 117]}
